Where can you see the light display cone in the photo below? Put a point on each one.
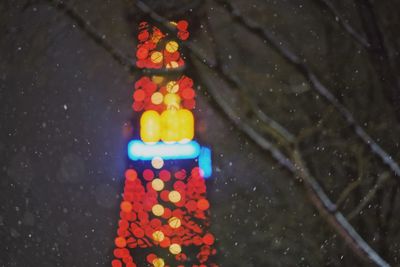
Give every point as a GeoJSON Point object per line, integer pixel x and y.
{"type": "Point", "coordinates": [164, 217]}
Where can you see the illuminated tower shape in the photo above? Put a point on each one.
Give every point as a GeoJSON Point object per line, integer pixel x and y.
{"type": "Point", "coordinates": [164, 218]}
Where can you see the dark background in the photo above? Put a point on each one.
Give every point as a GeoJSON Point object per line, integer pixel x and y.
{"type": "Point", "coordinates": [66, 80]}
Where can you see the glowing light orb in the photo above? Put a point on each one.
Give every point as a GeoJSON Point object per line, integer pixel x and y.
{"type": "Point", "coordinates": [157, 79]}
{"type": "Point", "coordinates": [172, 46]}
{"type": "Point", "coordinates": [172, 87]}
{"type": "Point", "coordinates": [174, 222]}
{"type": "Point", "coordinates": [157, 184]}
{"type": "Point", "coordinates": [157, 162]}
{"type": "Point", "coordinates": [172, 99]}
{"type": "Point", "coordinates": [203, 204]}
{"type": "Point", "coordinates": [208, 239]}
{"type": "Point", "coordinates": [157, 98]}
{"type": "Point", "coordinates": [130, 174]}
{"type": "Point", "coordinates": [175, 249]}
{"type": "Point", "coordinates": [156, 57]}
{"type": "Point", "coordinates": [158, 236]}
{"type": "Point", "coordinates": [120, 242]}
{"type": "Point", "coordinates": [157, 210]}
{"type": "Point", "coordinates": [174, 196]}
{"type": "Point", "coordinates": [126, 206]}
{"type": "Point", "coordinates": [172, 65]}
{"type": "Point", "coordinates": [159, 262]}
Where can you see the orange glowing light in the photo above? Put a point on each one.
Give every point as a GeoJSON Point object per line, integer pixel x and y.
{"type": "Point", "coordinates": [126, 206]}
{"type": "Point", "coordinates": [203, 204]}
{"type": "Point", "coordinates": [120, 242]}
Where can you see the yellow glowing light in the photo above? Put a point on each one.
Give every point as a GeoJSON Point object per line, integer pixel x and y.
{"type": "Point", "coordinates": [186, 125]}
{"type": "Point", "coordinates": [150, 127]}
{"type": "Point", "coordinates": [157, 79]}
{"type": "Point", "coordinates": [172, 46]}
{"type": "Point", "coordinates": [156, 38]}
{"type": "Point", "coordinates": [156, 57]}
{"type": "Point", "coordinates": [172, 65]}
{"type": "Point", "coordinates": [174, 196]}
{"type": "Point", "coordinates": [172, 100]}
{"type": "Point", "coordinates": [157, 162]}
{"type": "Point", "coordinates": [158, 236]}
{"type": "Point", "coordinates": [157, 184]}
{"type": "Point", "coordinates": [157, 210]}
{"type": "Point", "coordinates": [175, 249]}
{"type": "Point", "coordinates": [157, 98]}
{"type": "Point", "coordinates": [158, 262]}
{"type": "Point", "coordinates": [172, 87]}
{"type": "Point", "coordinates": [170, 126]}
{"type": "Point", "coordinates": [174, 222]}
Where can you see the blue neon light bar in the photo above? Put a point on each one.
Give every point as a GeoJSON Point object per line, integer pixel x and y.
{"type": "Point", "coordinates": [138, 150]}
{"type": "Point", "coordinates": [205, 163]}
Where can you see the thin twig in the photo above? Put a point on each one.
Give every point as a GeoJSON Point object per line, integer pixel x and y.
{"type": "Point", "coordinates": [368, 197]}
{"type": "Point", "coordinates": [346, 26]}
{"type": "Point", "coordinates": [352, 186]}
{"type": "Point", "coordinates": [347, 191]}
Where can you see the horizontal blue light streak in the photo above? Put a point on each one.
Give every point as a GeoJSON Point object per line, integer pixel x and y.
{"type": "Point", "coordinates": [138, 150]}
{"type": "Point", "coordinates": [205, 163]}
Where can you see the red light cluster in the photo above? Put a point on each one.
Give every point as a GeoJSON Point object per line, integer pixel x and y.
{"type": "Point", "coordinates": [145, 88]}
{"type": "Point", "coordinates": [153, 52]}
{"type": "Point", "coordinates": [138, 224]}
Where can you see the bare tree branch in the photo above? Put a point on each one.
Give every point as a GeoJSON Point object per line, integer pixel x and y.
{"type": "Point", "coordinates": [355, 184]}
{"type": "Point", "coordinates": [381, 59]}
{"type": "Point", "coordinates": [346, 192]}
{"type": "Point", "coordinates": [346, 26]}
{"type": "Point", "coordinates": [273, 127]}
{"type": "Point", "coordinates": [98, 38]}
{"type": "Point", "coordinates": [317, 85]}
{"type": "Point", "coordinates": [336, 219]}
{"type": "Point", "coordinates": [317, 195]}
{"type": "Point", "coordinates": [371, 194]}
{"type": "Point", "coordinates": [101, 40]}
{"type": "Point", "coordinates": [245, 127]}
